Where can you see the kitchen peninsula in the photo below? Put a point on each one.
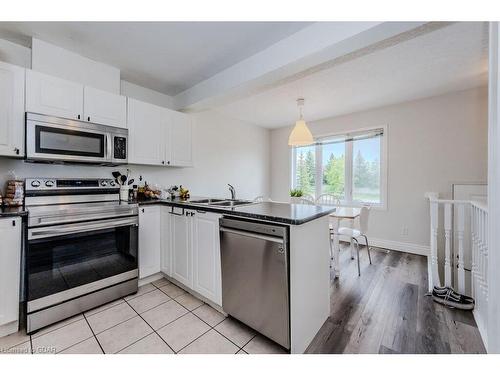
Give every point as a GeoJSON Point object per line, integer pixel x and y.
{"type": "Point", "coordinates": [191, 233]}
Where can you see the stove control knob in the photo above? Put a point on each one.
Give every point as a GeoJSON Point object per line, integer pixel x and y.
{"type": "Point", "coordinates": [112, 183]}
{"type": "Point", "coordinates": [49, 183]}
{"type": "Point", "coordinates": [35, 183]}
{"type": "Point", "coordinates": [103, 183]}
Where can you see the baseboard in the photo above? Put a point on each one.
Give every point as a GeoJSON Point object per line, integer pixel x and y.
{"type": "Point", "coordinates": [481, 328]}
{"type": "Point", "coordinates": [400, 246]}
{"type": "Point", "coordinates": [150, 279]}
{"type": "Point", "coordinates": [9, 328]}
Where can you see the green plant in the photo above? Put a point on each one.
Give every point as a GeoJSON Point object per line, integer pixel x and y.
{"type": "Point", "coordinates": [296, 193]}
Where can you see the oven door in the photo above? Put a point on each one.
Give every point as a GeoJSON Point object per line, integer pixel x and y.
{"type": "Point", "coordinates": [71, 142]}
{"type": "Point", "coordinates": [71, 260]}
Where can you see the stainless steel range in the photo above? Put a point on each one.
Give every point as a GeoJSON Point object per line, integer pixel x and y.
{"type": "Point", "coordinates": [82, 247]}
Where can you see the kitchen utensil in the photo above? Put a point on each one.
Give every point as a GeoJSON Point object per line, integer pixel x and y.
{"type": "Point", "coordinates": [123, 178]}
{"type": "Point", "coordinates": [116, 174]}
{"type": "Point", "coordinates": [131, 181]}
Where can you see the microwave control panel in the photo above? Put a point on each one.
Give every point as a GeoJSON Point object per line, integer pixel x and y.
{"type": "Point", "coordinates": [120, 148]}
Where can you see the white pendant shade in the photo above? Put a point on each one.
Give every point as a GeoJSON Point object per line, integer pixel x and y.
{"type": "Point", "coordinates": [300, 135]}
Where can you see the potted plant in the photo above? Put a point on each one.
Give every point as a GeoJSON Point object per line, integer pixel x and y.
{"type": "Point", "coordinates": [295, 195]}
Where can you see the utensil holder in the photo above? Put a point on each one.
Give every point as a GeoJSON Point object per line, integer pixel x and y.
{"type": "Point", "coordinates": [124, 193]}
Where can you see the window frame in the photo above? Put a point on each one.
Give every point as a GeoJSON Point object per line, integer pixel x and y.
{"type": "Point", "coordinates": [348, 177]}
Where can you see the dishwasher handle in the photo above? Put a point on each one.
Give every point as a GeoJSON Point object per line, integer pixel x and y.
{"type": "Point", "coordinates": [253, 235]}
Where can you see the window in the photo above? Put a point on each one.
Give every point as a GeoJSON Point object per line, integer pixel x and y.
{"type": "Point", "coordinates": [305, 165]}
{"type": "Point", "coordinates": [350, 166]}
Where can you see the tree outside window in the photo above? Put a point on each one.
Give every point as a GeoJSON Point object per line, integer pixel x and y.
{"type": "Point", "coordinates": [348, 167]}
{"type": "Point", "coordinates": [305, 170]}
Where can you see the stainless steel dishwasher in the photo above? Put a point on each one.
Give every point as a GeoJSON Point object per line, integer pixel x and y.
{"type": "Point", "coordinates": [255, 276]}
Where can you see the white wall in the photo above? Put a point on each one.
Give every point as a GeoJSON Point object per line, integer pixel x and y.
{"type": "Point", "coordinates": [146, 95]}
{"type": "Point", "coordinates": [493, 324]}
{"type": "Point", "coordinates": [225, 151]}
{"type": "Point", "coordinates": [16, 54]}
{"type": "Point", "coordinates": [432, 143]}
{"type": "Point", "coordinates": [50, 59]}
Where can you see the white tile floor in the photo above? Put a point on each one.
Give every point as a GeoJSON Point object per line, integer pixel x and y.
{"type": "Point", "coordinates": [160, 319]}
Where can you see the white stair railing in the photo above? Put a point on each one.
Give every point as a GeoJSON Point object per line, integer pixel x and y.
{"type": "Point", "coordinates": [452, 260]}
{"type": "Point", "coordinates": [479, 274]}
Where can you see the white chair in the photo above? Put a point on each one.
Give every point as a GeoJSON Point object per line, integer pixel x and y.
{"type": "Point", "coordinates": [259, 199]}
{"type": "Point", "coordinates": [355, 234]}
{"type": "Point", "coordinates": [306, 200]}
{"type": "Point", "coordinates": [309, 198]}
{"type": "Point", "coordinates": [328, 200]}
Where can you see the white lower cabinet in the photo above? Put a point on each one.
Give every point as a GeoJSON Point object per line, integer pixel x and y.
{"type": "Point", "coordinates": [149, 240]}
{"type": "Point", "coordinates": [10, 274]}
{"type": "Point", "coordinates": [184, 245]}
{"type": "Point", "coordinates": [165, 256]}
{"type": "Point", "coordinates": [195, 251]}
{"type": "Point", "coordinates": [206, 256]}
{"type": "Point", "coordinates": [181, 248]}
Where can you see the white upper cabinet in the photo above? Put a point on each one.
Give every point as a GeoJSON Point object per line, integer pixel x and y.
{"type": "Point", "coordinates": [158, 136]}
{"type": "Point", "coordinates": [53, 96]}
{"type": "Point", "coordinates": [11, 110]}
{"type": "Point", "coordinates": [105, 108]}
{"type": "Point", "coordinates": [10, 271]}
{"type": "Point", "coordinates": [181, 134]}
{"type": "Point", "coordinates": [149, 241]}
{"type": "Point", "coordinates": [207, 278]}
{"type": "Point", "coordinates": [146, 133]}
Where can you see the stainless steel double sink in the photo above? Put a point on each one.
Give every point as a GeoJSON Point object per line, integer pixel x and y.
{"type": "Point", "coordinates": [221, 202]}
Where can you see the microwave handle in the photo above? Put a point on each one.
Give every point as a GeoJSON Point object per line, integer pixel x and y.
{"type": "Point", "coordinates": [109, 154]}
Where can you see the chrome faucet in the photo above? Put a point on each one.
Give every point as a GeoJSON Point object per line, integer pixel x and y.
{"type": "Point", "coordinates": [233, 191]}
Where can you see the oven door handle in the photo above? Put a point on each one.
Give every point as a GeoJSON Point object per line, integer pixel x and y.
{"type": "Point", "coordinates": [62, 230]}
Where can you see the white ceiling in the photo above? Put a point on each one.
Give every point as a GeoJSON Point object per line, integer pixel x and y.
{"type": "Point", "coordinates": [168, 57]}
{"type": "Point", "coordinates": [449, 59]}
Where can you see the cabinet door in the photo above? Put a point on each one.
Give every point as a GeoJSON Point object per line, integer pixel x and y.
{"type": "Point", "coordinates": [10, 269]}
{"type": "Point", "coordinates": [165, 257]}
{"type": "Point", "coordinates": [180, 231]}
{"type": "Point", "coordinates": [105, 108]}
{"type": "Point", "coordinates": [181, 140]}
{"type": "Point", "coordinates": [53, 96]}
{"type": "Point", "coordinates": [144, 123]}
{"type": "Point", "coordinates": [166, 124]}
{"type": "Point", "coordinates": [149, 241]}
{"type": "Point", "coordinates": [11, 110]}
{"type": "Point", "coordinates": [206, 256]}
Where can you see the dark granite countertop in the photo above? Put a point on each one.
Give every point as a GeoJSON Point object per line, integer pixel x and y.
{"type": "Point", "coordinates": [6, 211]}
{"type": "Point", "coordinates": [293, 214]}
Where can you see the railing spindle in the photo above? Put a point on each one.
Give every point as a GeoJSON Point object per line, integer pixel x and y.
{"type": "Point", "coordinates": [447, 249]}
{"type": "Point", "coordinates": [461, 256]}
{"type": "Point", "coordinates": [434, 238]}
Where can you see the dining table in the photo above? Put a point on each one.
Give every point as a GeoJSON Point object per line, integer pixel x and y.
{"type": "Point", "coordinates": [341, 213]}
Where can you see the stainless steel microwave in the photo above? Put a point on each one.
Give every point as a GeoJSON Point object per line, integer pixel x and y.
{"type": "Point", "coordinates": [54, 139]}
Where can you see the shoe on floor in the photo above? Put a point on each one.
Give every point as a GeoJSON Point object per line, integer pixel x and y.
{"type": "Point", "coordinates": [448, 297]}
{"type": "Point", "coordinates": [442, 291]}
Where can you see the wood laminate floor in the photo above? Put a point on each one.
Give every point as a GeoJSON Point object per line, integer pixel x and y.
{"type": "Point", "coordinates": [386, 311]}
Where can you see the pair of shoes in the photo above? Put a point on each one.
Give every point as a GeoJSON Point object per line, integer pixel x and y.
{"type": "Point", "coordinates": [448, 297]}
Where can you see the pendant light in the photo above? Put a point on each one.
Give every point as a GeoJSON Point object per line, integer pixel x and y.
{"type": "Point", "coordinates": [300, 135]}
